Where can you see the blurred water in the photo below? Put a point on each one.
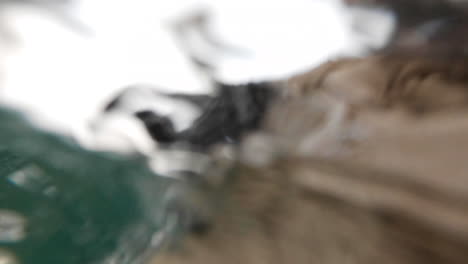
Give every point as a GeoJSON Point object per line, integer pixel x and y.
{"type": "Point", "coordinates": [61, 204]}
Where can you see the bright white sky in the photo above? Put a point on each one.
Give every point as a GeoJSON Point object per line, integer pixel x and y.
{"type": "Point", "coordinates": [65, 77]}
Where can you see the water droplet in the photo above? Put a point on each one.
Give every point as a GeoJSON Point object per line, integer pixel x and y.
{"type": "Point", "coordinates": [7, 258]}
{"type": "Point", "coordinates": [31, 178]}
{"type": "Point", "coordinates": [12, 227]}
{"type": "Point", "coordinates": [50, 191]}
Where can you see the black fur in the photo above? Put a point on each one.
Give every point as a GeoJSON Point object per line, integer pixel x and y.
{"type": "Point", "coordinates": [226, 117]}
